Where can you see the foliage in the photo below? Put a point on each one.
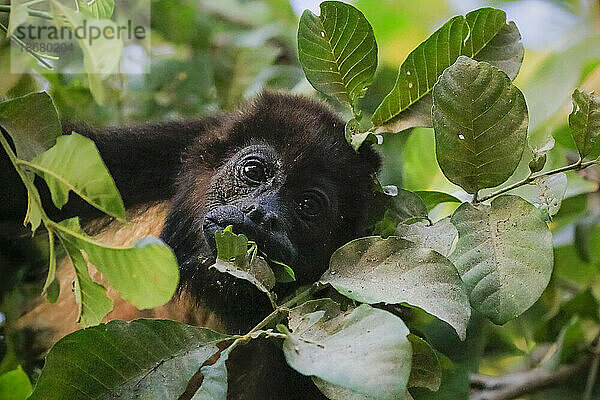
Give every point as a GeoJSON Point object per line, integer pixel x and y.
{"type": "Point", "coordinates": [485, 246]}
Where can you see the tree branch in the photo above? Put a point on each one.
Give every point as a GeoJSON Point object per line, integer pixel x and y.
{"type": "Point", "coordinates": [579, 165]}
{"type": "Point", "coordinates": [518, 384]}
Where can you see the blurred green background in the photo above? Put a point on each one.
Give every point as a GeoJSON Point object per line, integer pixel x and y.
{"type": "Point", "coordinates": [210, 55]}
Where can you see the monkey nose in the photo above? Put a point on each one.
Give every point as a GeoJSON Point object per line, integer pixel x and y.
{"type": "Point", "coordinates": [268, 220]}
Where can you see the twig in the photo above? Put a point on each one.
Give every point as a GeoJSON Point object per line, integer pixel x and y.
{"type": "Point", "coordinates": [518, 384]}
{"type": "Point", "coordinates": [579, 165]}
{"type": "Point", "coordinates": [33, 13]}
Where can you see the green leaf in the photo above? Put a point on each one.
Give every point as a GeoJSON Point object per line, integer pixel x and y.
{"type": "Point", "coordinates": [337, 51]}
{"type": "Point", "coordinates": [546, 193]}
{"type": "Point", "coordinates": [32, 123]}
{"type": "Point", "coordinates": [256, 271]}
{"type": "Point", "coordinates": [98, 9]}
{"type": "Point", "coordinates": [439, 236]}
{"type": "Point", "coordinates": [403, 207]}
{"type": "Point", "coordinates": [585, 121]}
{"type": "Point", "coordinates": [15, 385]}
{"type": "Point", "coordinates": [214, 383]}
{"type": "Point", "coordinates": [504, 255]}
{"type": "Point", "coordinates": [91, 298]}
{"type": "Point", "coordinates": [18, 15]}
{"type": "Point", "coordinates": [151, 359]}
{"type": "Point", "coordinates": [230, 245]}
{"type": "Point", "coordinates": [570, 341]}
{"type": "Point", "coordinates": [426, 370]}
{"type": "Point", "coordinates": [587, 239]}
{"type": "Point", "coordinates": [364, 355]}
{"type": "Point", "coordinates": [432, 198]}
{"type": "Point", "coordinates": [283, 273]}
{"type": "Point", "coordinates": [480, 122]}
{"type": "Point", "coordinates": [539, 155]}
{"type": "Point", "coordinates": [74, 164]}
{"type": "Point", "coordinates": [145, 275]}
{"type": "Point", "coordinates": [100, 56]}
{"type": "Point", "coordinates": [421, 69]}
{"type": "Point", "coordinates": [303, 319]}
{"type": "Point", "coordinates": [419, 72]}
{"type": "Point", "coordinates": [505, 51]}
{"type": "Point", "coordinates": [393, 270]}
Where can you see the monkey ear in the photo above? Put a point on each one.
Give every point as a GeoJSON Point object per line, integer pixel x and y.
{"type": "Point", "coordinates": [370, 158]}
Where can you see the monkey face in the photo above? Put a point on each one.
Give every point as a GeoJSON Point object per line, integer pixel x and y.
{"type": "Point", "coordinates": [281, 172]}
{"type": "Point", "coordinates": [281, 205]}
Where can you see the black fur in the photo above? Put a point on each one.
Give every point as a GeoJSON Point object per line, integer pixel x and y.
{"type": "Point", "coordinates": [189, 163]}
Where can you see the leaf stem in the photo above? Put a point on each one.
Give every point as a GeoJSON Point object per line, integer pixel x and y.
{"type": "Point", "coordinates": [31, 189]}
{"type": "Point", "coordinates": [579, 165]}
{"type": "Point", "coordinates": [283, 309]}
{"type": "Point", "coordinates": [39, 58]}
{"type": "Point", "coordinates": [33, 13]}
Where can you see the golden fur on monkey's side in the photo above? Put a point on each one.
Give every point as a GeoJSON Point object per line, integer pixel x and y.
{"type": "Point", "coordinates": [55, 320]}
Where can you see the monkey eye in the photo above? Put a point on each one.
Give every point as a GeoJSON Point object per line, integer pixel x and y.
{"type": "Point", "coordinates": [254, 171]}
{"type": "Point", "coordinates": [310, 204]}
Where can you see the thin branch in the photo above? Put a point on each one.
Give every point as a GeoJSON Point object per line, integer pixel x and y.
{"type": "Point", "coordinates": [33, 13]}
{"type": "Point", "coordinates": [512, 386]}
{"type": "Point", "coordinates": [579, 165]}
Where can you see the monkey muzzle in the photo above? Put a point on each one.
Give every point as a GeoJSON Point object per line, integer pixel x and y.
{"type": "Point", "coordinates": [258, 224]}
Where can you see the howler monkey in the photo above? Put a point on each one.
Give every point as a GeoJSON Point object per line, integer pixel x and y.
{"type": "Point", "coordinates": [279, 170]}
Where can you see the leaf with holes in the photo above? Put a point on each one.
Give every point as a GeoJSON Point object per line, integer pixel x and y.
{"type": "Point", "coordinates": [480, 122]}
{"type": "Point", "coordinates": [337, 51]}
{"type": "Point", "coordinates": [504, 255]}
{"type": "Point", "coordinates": [151, 359]}
{"type": "Point", "coordinates": [418, 73]}
{"type": "Point", "coordinates": [585, 121]}
{"type": "Point", "coordinates": [393, 270]}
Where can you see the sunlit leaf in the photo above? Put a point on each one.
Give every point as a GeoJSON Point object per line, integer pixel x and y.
{"type": "Point", "coordinates": [98, 9]}
{"type": "Point", "coordinates": [74, 164]}
{"type": "Point", "coordinates": [505, 51]}
{"type": "Point", "coordinates": [365, 355]}
{"type": "Point", "coordinates": [585, 121]}
{"type": "Point", "coordinates": [152, 359]}
{"type": "Point", "coordinates": [230, 245]}
{"type": "Point", "coordinates": [393, 270]}
{"type": "Point", "coordinates": [145, 275]}
{"type": "Point", "coordinates": [432, 198]}
{"type": "Point", "coordinates": [419, 72]}
{"type": "Point", "coordinates": [503, 254]}
{"type": "Point", "coordinates": [480, 122]}
{"type": "Point", "coordinates": [337, 50]}
{"type": "Point", "coordinates": [15, 385]}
